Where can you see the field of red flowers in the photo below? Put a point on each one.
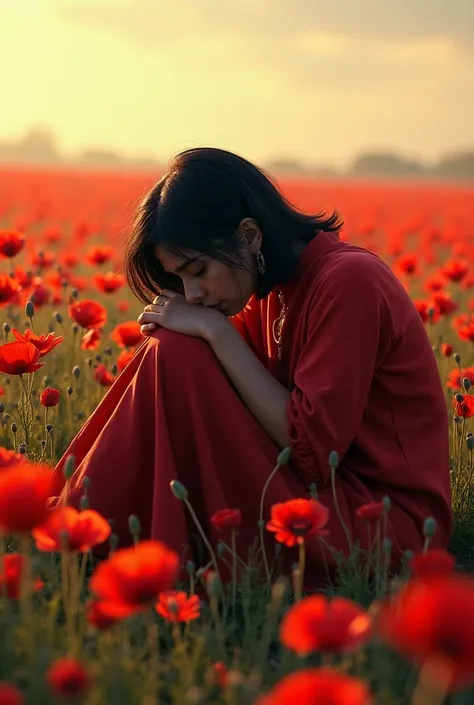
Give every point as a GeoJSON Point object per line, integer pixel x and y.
{"type": "Point", "coordinates": [123, 630]}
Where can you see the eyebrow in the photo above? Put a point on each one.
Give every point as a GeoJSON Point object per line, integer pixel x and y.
{"type": "Point", "coordinates": [185, 264]}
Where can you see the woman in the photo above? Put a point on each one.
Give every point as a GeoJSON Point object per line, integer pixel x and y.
{"type": "Point", "coordinates": [267, 331]}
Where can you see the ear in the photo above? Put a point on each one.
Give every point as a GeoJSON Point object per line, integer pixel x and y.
{"type": "Point", "coordinates": [250, 234]}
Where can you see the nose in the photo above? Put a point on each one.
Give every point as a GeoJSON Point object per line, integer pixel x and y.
{"type": "Point", "coordinates": [193, 292]}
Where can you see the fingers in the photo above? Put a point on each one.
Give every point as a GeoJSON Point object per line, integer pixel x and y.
{"type": "Point", "coordinates": [147, 328]}
{"type": "Point", "coordinates": [148, 317]}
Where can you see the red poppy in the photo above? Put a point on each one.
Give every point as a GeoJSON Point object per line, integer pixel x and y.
{"type": "Point", "coordinates": [68, 678]}
{"type": "Point", "coordinates": [39, 294]}
{"type": "Point", "coordinates": [19, 358]}
{"type": "Point", "coordinates": [123, 306]}
{"type": "Point", "coordinates": [84, 530]}
{"type": "Point", "coordinates": [444, 303]}
{"type": "Point", "coordinates": [11, 570]}
{"type": "Point", "coordinates": [424, 307]}
{"type": "Point", "coordinates": [455, 269]}
{"type": "Point", "coordinates": [133, 578]}
{"type": "Point", "coordinates": [434, 283]}
{"type": "Point", "coordinates": [52, 235]}
{"type": "Point", "coordinates": [464, 407]}
{"type": "Point", "coordinates": [49, 397]}
{"type": "Point", "coordinates": [446, 349]}
{"type": "Point", "coordinates": [318, 624]}
{"type": "Point", "coordinates": [221, 674]}
{"type": "Point", "coordinates": [371, 512]}
{"type": "Point", "coordinates": [42, 260]}
{"type": "Point", "coordinates": [100, 254]}
{"type": "Point", "coordinates": [88, 313]}
{"type": "Point", "coordinates": [91, 339]}
{"type": "Point", "coordinates": [24, 493]}
{"type": "Point", "coordinates": [467, 332]}
{"type": "Point", "coordinates": [124, 358]}
{"type": "Point", "coordinates": [9, 288]}
{"type": "Point", "coordinates": [432, 564]}
{"type": "Point", "coordinates": [9, 458]}
{"type": "Point", "coordinates": [176, 606]}
{"type": "Point", "coordinates": [127, 335]}
{"type": "Point", "coordinates": [226, 519]}
{"type": "Point", "coordinates": [11, 243]}
{"type": "Point", "coordinates": [430, 622]}
{"type": "Point", "coordinates": [70, 259]}
{"type": "Point", "coordinates": [23, 278]}
{"type": "Point", "coordinates": [109, 283]}
{"type": "Point", "coordinates": [96, 616]}
{"type": "Point", "coordinates": [407, 264]}
{"type": "Point", "coordinates": [103, 376]}
{"type": "Point", "coordinates": [44, 343]}
{"type": "Point", "coordinates": [315, 686]}
{"type": "Point", "coordinates": [11, 695]}
{"type": "Point", "coordinates": [456, 378]}
{"type": "Point", "coordinates": [293, 520]}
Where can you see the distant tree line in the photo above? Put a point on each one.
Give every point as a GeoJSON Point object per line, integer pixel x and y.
{"type": "Point", "coordinates": [39, 146]}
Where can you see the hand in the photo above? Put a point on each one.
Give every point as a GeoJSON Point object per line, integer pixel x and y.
{"type": "Point", "coordinates": [172, 311]}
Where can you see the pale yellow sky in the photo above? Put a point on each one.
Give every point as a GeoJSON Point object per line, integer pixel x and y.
{"type": "Point", "coordinates": [311, 79]}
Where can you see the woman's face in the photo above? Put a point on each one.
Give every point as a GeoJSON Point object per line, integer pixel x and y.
{"type": "Point", "coordinates": [208, 282]}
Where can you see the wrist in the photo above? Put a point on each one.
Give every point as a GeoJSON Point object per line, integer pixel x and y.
{"type": "Point", "coordinates": [216, 328]}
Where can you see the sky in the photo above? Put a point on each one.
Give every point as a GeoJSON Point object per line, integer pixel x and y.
{"type": "Point", "coordinates": [319, 81]}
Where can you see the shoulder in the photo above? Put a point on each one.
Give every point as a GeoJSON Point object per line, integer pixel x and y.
{"type": "Point", "coordinates": [353, 269]}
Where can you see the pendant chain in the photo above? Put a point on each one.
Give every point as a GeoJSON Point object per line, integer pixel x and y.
{"type": "Point", "coordinates": [278, 323]}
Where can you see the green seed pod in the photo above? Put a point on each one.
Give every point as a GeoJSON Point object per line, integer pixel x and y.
{"type": "Point", "coordinates": [75, 328]}
{"type": "Point", "coordinates": [470, 442]}
{"type": "Point", "coordinates": [6, 328]}
{"type": "Point", "coordinates": [14, 427]}
{"type": "Point", "coordinates": [191, 567]}
{"type": "Point", "coordinates": [76, 371]}
{"type": "Point", "coordinates": [69, 465]}
{"type": "Point", "coordinates": [22, 449]}
{"type": "Point", "coordinates": [333, 459]}
{"type": "Point", "coordinates": [134, 525]}
{"type": "Point", "coordinates": [49, 428]}
{"type": "Point", "coordinates": [75, 294]}
{"type": "Point", "coordinates": [113, 541]}
{"type": "Point", "coordinates": [386, 503]}
{"type": "Point", "coordinates": [457, 358]}
{"type": "Point", "coordinates": [84, 502]}
{"type": "Point", "coordinates": [429, 528]}
{"type": "Point", "coordinates": [58, 317]}
{"type": "Point", "coordinates": [69, 390]}
{"type": "Point", "coordinates": [179, 490]}
{"type": "Point", "coordinates": [114, 369]}
{"type": "Point", "coordinates": [466, 383]}
{"type": "Point", "coordinates": [220, 549]}
{"type": "Point", "coordinates": [86, 482]}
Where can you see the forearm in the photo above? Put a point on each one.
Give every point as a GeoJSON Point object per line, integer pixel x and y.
{"type": "Point", "coordinates": [263, 395]}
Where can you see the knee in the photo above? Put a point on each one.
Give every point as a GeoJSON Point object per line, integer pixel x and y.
{"type": "Point", "coordinates": [177, 347]}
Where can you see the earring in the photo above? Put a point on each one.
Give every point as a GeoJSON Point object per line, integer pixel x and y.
{"type": "Point", "coordinates": [262, 267]}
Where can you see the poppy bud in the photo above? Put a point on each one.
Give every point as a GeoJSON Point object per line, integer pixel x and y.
{"type": "Point", "coordinates": [75, 328]}
{"type": "Point", "coordinates": [429, 528]}
{"type": "Point", "coordinates": [89, 361]}
{"type": "Point", "coordinates": [84, 502]}
{"type": "Point", "coordinates": [14, 427]}
{"type": "Point", "coordinates": [313, 491]}
{"type": "Point", "coordinates": [46, 380]}
{"type": "Point", "coordinates": [179, 490]}
{"type": "Point", "coordinates": [6, 328]}
{"type": "Point", "coordinates": [30, 309]}
{"type": "Point", "coordinates": [466, 382]}
{"type": "Point", "coordinates": [191, 567]}
{"type": "Point", "coordinates": [76, 371]}
{"type": "Point", "coordinates": [86, 482]}
{"type": "Point", "coordinates": [134, 525]}
{"type": "Point", "coordinates": [50, 328]}
{"type": "Point", "coordinates": [470, 443]}
{"type": "Point", "coordinates": [457, 358]}
{"type": "Point", "coordinates": [49, 397]}
{"type": "Point", "coordinates": [69, 390]}
{"type": "Point", "coordinates": [98, 358]}
{"type": "Point", "coordinates": [49, 428]}
{"type": "Point", "coordinates": [284, 457]}
{"type": "Point", "coordinates": [408, 555]}
{"type": "Point", "coordinates": [22, 448]}
{"type": "Point", "coordinates": [58, 317]}
{"type": "Point", "coordinates": [113, 541]}
{"type": "Point", "coordinates": [220, 549]}
{"type": "Point", "coordinates": [107, 351]}
{"type": "Point", "coordinates": [75, 294]}
{"type": "Point", "coordinates": [386, 503]}
{"type": "Point", "coordinates": [43, 443]}
{"type": "Point", "coordinates": [333, 459]}
{"type": "Point", "coordinates": [459, 398]}
{"type": "Point", "coordinates": [2, 408]}
{"type": "Point", "coordinates": [114, 369]}
{"type": "Point", "coordinates": [69, 465]}
{"type": "Point", "coordinates": [431, 312]}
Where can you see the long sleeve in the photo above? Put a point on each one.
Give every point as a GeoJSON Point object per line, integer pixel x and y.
{"type": "Point", "coordinates": [349, 328]}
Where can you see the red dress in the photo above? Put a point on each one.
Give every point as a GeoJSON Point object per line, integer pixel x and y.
{"type": "Point", "coordinates": [364, 382]}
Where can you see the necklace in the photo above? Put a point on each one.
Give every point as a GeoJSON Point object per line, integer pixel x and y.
{"type": "Point", "coordinates": [277, 328]}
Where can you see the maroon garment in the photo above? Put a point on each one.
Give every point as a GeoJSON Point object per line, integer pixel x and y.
{"type": "Point", "coordinates": [364, 382]}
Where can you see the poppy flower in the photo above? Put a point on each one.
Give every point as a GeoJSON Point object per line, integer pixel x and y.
{"type": "Point", "coordinates": [109, 283]}
{"type": "Point", "coordinates": [11, 695]}
{"type": "Point", "coordinates": [103, 376]}
{"type": "Point", "coordinates": [318, 624]}
{"type": "Point", "coordinates": [9, 288]}
{"type": "Point", "coordinates": [444, 303]}
{"type": "Point", "coordinates": [24, 493]}
{"type": "Point", "coordinates": [464, 407]}
{"type": "Point", "coordinates": [467, 332]}
{"type": "Point", "coordinates": [91, 339]}
{"type": "Point", "coordinates": [315, 686]}
{"type": "Point", "coordinates": [434, 283]}
{"type": "Point", "coordinates": [9, 458]}
{"type": "Point", "coordinates": [221, 674]}
{"type": "Point", "coordinates": [70, 259]}
{"type": "Point", "coordinates": [455, 377]}
{"type": "Point", "coordinates": [432, 564]}
{"type": "Point", "coordinates": [127, 335]}
{"type": "Point", "coordinates": [133, 578]}
{"type": "Point", "coordinates": [24, 279]}
{"type": "Point", "coordinates": [371, 512]}
{"type": "Point", "coordinates": [455, 269]}
{"type": "Point", "coordinates": [176, 606]}
{"type": "Point", "coordinates": [83, 529]}
{"type": "Point", "coordinates": [446, 349]}
{"type": "Point", "coordinates": [42, 260]}
{"type": "Point", "coordinates": [100, 254]}
{"type": "Point", "coordinates": [123, 306]}
{"type": "Point", "coordinates": [19, 358]}
{"type": "Point", "coordinates": [11, 570]}
{"type": "Point", "coordinates": [68, 678]}
{"type": "Point", "coordinates": [226, 519]}
{"type": "Point", "coordinates": [293, 520]}
{"type": "Point", "coordinates": [43, 343]}
{"type": "Point", "coordinates": [124, 358]}
{"type": "Point", "coordinates": [429, 621]}
{"type": "Point", "coordinates": [427, 310]}
{"type": "Point", "coordinates": [407, 264]}
{"type": "Point", "coordinates": [97, 617]}
{"type": "Point", "coordinates": [11, 243]}
{"type": "Point", "coordinates": [88, 313]}
{"type": "Point", "coordinates": [49, 397]}
{"type": "Point", "coordinates": [39, 294]}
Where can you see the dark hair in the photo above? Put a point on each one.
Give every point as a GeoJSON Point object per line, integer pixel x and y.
{"type": "Point", "coordinates": [198, 205]}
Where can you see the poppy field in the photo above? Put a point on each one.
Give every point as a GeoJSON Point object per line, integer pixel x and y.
{"type": "Point", "coordinates": [129, 628]}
